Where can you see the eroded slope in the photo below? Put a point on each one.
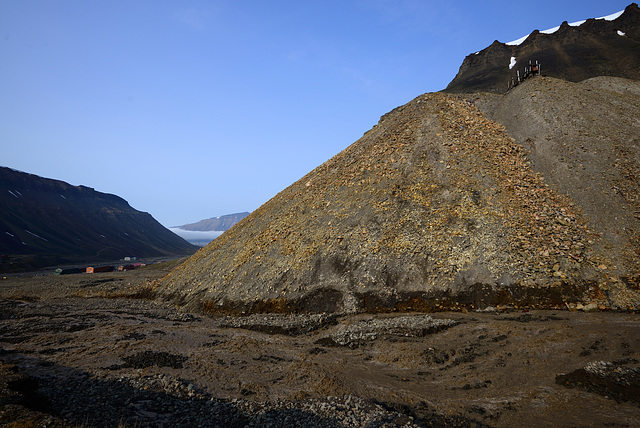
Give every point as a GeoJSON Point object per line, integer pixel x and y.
{"type": "Point", "coordinates": [585, 139]}
{"type": "Point", "coordinates": [435, 207]}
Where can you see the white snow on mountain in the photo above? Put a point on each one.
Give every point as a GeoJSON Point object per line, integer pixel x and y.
{"type": "Point", "coordinates": [37, 236]}
{"type": "Point", "coordinates": [611, 17]}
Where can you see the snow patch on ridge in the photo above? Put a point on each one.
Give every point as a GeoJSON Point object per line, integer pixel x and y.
{"type": "Point", "coordinates": [512, 63]}
{"type": "Point", "coordinates": [611, 17]}
{"type": "Point", "coordinates": [37, 236]}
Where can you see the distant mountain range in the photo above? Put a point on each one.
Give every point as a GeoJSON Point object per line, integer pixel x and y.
{"type": "Point", "coordinates": [205, 231]}
{"type": "Point", "coordinates": [572, 52]}
{"type": "Point", "coordinates": [220, 223]}
{"type": "Point", "coordinates": [44, 222]}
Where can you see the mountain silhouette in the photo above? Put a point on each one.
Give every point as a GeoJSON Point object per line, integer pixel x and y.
{"type": "Point", "coordinates": [44, 222]}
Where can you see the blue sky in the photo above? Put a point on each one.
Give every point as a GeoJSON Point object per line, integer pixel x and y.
{"type": "Point", "coordinates": [195, 109]}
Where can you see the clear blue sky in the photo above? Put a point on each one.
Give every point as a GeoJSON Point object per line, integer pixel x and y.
{"type": "Point", "coordinates": [194, 109]}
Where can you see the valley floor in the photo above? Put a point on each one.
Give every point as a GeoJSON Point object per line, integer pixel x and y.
{"type": "Point", "coordinates": [76, 351]}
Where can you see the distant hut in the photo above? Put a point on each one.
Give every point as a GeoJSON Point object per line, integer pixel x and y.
{"type": "Point", "coordinates": [100, 269]}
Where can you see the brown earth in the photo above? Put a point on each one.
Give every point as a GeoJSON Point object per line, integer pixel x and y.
{"type": "Point", "coordinates": [92, 356]}
{"type": "Point", "coordinates": [596, 167]}
{"type": "Point", "coordinates": [528, 198]}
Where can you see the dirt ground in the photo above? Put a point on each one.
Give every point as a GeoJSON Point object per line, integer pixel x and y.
{"type": "Point", "coordinates": [501, 367]}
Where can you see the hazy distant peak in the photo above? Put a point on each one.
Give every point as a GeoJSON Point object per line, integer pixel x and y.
{"type": "Point", "coordinates": [220, 223]}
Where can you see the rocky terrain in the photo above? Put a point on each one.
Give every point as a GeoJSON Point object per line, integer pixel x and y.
{"type": "Point", "coordinates": [45, 222]}
{"type": "Point", "coordinates": [473, 260]}
{"type": "Point", "coordinates": [598, 47]}
{"type": "Point", "coordinates": [439, 206]}
{"type": "Point", "coordinates": [94, 350]}
{"type": "Point", "coordinates": [597, 167]}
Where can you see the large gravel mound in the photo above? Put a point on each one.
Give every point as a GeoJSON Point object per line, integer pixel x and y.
{"type": "Point", "coordinates": [435, 207]}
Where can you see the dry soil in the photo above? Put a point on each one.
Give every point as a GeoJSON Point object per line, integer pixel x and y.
{"type": "Point", "coordinates": [79, 350]}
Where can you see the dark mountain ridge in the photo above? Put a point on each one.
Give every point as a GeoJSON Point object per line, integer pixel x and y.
{"type": "Point", "coordinates": [44, 222]}
{"type": "Point", "coordinates": [597, 47]}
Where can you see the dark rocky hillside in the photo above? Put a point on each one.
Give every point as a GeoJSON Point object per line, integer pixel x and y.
{"type": "Point", "coordinates": [220, 223]}
{"type": "Point", "coordinates": [44, 222]}
{"type": "Point", "coordinates": [574, 53]}
{"type": "Point", "coordinates": [438, 206]}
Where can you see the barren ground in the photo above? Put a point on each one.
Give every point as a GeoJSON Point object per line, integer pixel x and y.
{"type": "Point", "coordinates": [76, 347]}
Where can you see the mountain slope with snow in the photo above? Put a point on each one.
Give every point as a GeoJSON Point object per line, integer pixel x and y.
{"type": "Point", "coordinates": [608, 46]}
{"type": "Point", "coordinates": [611, 17]}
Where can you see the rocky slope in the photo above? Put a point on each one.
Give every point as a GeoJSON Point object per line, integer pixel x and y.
{"type": "Point", "coordinates": [585, 139]}
{"type": "Point", "coordinates": [44, 222]}
{"type": "Point", "coordinates": [598, 47]}
{"type": "Point", "coordinates": [439, 207]}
